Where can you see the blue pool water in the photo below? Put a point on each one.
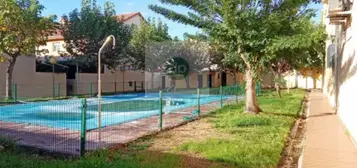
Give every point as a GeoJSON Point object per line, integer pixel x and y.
{"type": "Point", "coordinates": [67, 113]}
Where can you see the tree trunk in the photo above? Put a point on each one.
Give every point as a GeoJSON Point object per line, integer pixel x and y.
{"type": "Point", "coordinates": [277, 85]}
{"type": "Point", "coordinates": [233, 74]}
{"type": "Point", "coordinates": [9, 71]}
{"type": "Point", "coordinates": [251, 105]}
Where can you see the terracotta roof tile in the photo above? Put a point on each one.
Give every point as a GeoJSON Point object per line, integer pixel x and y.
{"type": "Point", "coordinates": [126, 16]}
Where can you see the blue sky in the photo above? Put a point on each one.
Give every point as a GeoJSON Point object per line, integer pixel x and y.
{"type": "Point", "coordinates": [60, 7]}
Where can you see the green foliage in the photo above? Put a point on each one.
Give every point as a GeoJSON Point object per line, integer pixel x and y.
{"type": "Point", "coordinates": [22, 28]}
{"type": "Point", "coordinates": [85, 31]}
{"type": "Point", "coordinates": [7, 144]}
{"type": "Point", "coordinates": [144, 44]}
{"type": "Point", "coordinates": [304, 49]}
{"type": "Point", "coordinates": [244, 28]}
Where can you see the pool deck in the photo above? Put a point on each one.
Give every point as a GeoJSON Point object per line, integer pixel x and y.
{"type": "Point", "coordinates": [67, 141]}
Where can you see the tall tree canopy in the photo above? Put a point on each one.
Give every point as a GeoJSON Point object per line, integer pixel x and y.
{"type": "Point", "coordinates": [144, 41]}
{"type": "Point", "coordinates": [22, 30]}
{"type": "Point", "coordinates": [144, 49]}
{"type": "Point", "coordinates": [244, 27]}
{"type": "Point", "coordinates": [85, 31]}
{"type": "Point", "coordinates": [304, 50]}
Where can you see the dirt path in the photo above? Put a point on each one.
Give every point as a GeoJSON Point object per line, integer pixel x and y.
{"type": "Point", "coordinates": [169, 142]}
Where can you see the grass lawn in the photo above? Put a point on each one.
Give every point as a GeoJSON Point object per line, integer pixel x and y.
{"type": "Point", "coordinates": [226, 138]}
{"type": "Point", "coordinates": [254, 140]}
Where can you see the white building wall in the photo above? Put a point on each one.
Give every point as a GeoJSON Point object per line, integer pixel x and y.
{"type": "Point", "coordinates": [347, 75]}
{"type": "Point", "coordinates": [136, 20]}
{"type": "Point", "coordinates": [49, 48]}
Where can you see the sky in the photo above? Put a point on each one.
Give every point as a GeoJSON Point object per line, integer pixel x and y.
{"type": "Point", "coordinates": [60, 7]}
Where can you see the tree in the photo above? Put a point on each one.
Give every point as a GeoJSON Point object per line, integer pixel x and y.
{"type": "Point", "coordinates": [244, 27]}
{"type": "Point", "coordinates": [145, 35]}
{"type": "Point", "coordinates": [22, 30]}
{"type": "Point", "coordinates": [144, 49]}
{"type": "Point", "coordinates": [303, 51]}
{"type": "Point", "coordinates": [85, 31]}
{"type": "Point", "coordinates": [279, 67]}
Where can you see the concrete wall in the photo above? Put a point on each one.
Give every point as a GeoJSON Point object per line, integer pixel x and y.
{"type": "Point", "coordinates": [293, 80]}
{"type": "Point", "coordinates": [29, 82]}
{"type": "Point", "coordinates": [193, 80]}
{"type": "Point", "coordinates": [345, 82]}
{"type": "Point", "coordinates": [112, 81]}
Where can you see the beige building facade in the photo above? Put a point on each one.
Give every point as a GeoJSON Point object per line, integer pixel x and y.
{"type": "Point", "coordinates": [30, 83]}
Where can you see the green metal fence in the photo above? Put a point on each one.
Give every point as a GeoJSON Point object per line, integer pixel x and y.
{"type": "Point", "coordinates": [77, 125]}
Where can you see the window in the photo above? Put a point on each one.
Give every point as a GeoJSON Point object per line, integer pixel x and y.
{"type": "Point", "coordinates": [331, 53]}
{"type": "Point", "coordinates": [128, 67]}
{"type": "Point", "coordinates": [122, 68]}
{"type": "Point", "coordinates": [56, 47]}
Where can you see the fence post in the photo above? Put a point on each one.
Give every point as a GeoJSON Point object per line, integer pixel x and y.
{"type": "Point", "coordinates": [134, 86]}
{"type": "Point", "coordinates": [91, 89]}
{"type": "Point", "coordinates": [198, 102]}
{"type": "Point", "coordinates": [15, 92]}
{"type": "Point", "coordinates": [59, 90]}
{"type": "Point", "coordinates": [260, 88]}
{"type": "Point", "coordinates": [83, 127]}
{"type": "Point", "coordinates": [160, 110]}
{"type": "Point", "coordinates": [257, 89]}
{"type": "Point", "coordinates": [221, 93]}
{"type": "Point", "coordinates": [115, 87]}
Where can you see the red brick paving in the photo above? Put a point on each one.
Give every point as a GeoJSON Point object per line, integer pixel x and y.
{"type": "Point", "coordinates": [326, 144]}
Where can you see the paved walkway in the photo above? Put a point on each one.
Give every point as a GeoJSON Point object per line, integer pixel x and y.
{"type": "Point", "coordinates": [326, 144]}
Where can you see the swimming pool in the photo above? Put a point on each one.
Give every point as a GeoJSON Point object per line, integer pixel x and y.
{"type": "Point", "coordinates": [115, 109]}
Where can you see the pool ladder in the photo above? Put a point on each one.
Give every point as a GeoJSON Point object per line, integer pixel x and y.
{"type": "Point", "coordinates": [170, 88]}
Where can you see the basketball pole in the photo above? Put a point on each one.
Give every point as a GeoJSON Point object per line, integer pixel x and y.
{"type": "Point", "coordinates": [111, 37]}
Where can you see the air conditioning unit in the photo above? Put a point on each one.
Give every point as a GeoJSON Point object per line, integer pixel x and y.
{"type": "Point", "coordinates": [336, 5]}
{"type": "Point", "coordinates": [339, 5]}
{"type": "Point", "coordinates": [339, 11]}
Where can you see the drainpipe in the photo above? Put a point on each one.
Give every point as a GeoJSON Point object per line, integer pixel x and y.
{"type": "Point", "coordinates": [336, 82]}
{"type": "Point", "coordinates": [337, 42]}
